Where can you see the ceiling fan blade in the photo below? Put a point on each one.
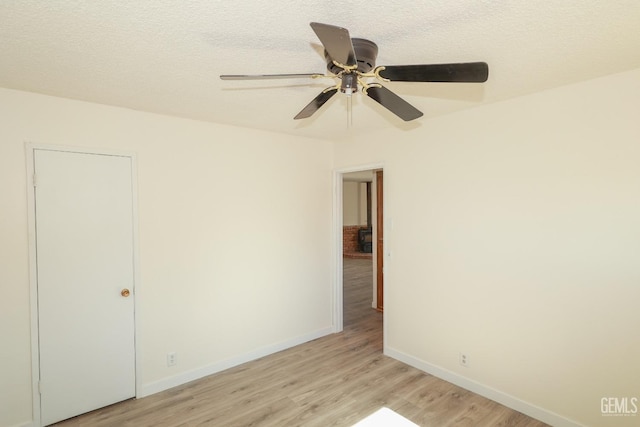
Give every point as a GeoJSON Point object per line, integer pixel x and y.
{"type": "Point", "coordinates": [469, 72]}
{"type": "Point", "coordinates": [315, 105]}
{"type": "Point", "coordinates": [267, 76]}
{"type": "Point", "coordinates": [337, 42]}
{"type": "Point", "coordinates": [393, 103]}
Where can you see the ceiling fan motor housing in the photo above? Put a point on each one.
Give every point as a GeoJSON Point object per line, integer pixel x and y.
{"type": "Point", "coordinates": [366, 52]}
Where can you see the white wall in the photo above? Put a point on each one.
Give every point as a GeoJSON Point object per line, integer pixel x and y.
{"type": "Point", "coordinates": [235, 238]}
{"type": "Point", "coordinates": [516, 239]}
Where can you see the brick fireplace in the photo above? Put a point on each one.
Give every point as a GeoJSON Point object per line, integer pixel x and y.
{"type": "Point", "coordinates": [350, 242]}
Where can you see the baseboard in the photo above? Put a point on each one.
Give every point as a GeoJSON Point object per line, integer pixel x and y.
{"type": "Point", "coordinates": [507, 400]}
{"type": "Point", "coordinates": [195, 374]}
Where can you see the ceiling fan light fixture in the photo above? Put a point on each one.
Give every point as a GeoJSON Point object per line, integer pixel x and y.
{"type": "Point", "coordinates": [349, 83]}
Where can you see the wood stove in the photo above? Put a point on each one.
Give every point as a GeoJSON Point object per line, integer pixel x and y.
{"type": "Point", "coordinates": [365, 239]}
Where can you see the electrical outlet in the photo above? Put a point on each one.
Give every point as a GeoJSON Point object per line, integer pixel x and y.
{"type": "Point", "coordinates": [172, 359]}
{"type": "Point", "coordinates": [464, 359]}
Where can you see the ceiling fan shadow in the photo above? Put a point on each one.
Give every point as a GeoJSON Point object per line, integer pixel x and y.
{"type": "Point", "coordinates": [318, 48]}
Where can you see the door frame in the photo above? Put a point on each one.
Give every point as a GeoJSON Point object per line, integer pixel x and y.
{"type": "Point", "coordinates": [30, 149]}
{"type": "Point", "coordinates": [379, 239]}
{"type": "Point", "coordinates": [338, 265]}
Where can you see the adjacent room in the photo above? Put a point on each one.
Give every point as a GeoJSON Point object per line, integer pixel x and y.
{"type": "Point", "coordinates": [163, 228]}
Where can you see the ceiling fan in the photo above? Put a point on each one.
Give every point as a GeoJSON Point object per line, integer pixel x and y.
{"type": "Point", "coordinates": [353, 62]}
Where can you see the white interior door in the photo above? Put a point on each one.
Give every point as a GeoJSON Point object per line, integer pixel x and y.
{"type": "Point", "coordinates": [84, 244]}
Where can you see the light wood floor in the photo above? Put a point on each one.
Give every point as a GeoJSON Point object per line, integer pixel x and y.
{"type": "Point", "coordinates": [332, 381]}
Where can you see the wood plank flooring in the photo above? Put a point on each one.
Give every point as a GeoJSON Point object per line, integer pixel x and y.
{"type": "Point", "coordinates": [332, 381]}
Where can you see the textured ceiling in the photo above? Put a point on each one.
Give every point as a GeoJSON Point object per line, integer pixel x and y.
{"type": "Point", "coordinates": [165, 56]}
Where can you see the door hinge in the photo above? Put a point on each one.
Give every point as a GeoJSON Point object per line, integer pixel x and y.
{"type": "Point", "coordinates": [34, 179]}
{"type": "Point", "coordinates": [39, 387]}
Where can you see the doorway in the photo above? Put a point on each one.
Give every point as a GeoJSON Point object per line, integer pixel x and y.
{"type": "Point", "coordinates": [343, 264]}
{"type": "Point", "coordinates": [83, 283]}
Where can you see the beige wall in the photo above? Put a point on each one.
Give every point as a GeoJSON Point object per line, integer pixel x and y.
{"type": "Point", "coordinates": [516, 239]}
{"type": "Point", "coordinates": [354, 197]}
{"type": "Point", "coordinates": [354, 203]}
{"type": "Point", "coordinates": [231, 223]}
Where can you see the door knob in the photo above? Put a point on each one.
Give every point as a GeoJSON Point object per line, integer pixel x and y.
{"type": "Point", "coordinates": [125, 293]}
